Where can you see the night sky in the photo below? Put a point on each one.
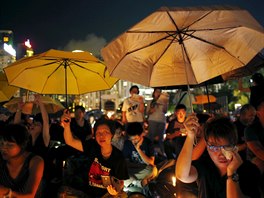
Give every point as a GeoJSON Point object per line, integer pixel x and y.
{"type": "Point", "coordinates": [89, 25]}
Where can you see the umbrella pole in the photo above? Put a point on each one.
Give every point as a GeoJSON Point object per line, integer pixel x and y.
{"type": "Point", "coordinates": [66, 86]}
{"type": "Point", "coordinates": [208, 98]}
{"type": "Point", "coordinates": [184, 53]}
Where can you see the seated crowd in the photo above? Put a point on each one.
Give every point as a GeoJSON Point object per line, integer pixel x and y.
{"type": "Point", "coordinates": [209, 156]}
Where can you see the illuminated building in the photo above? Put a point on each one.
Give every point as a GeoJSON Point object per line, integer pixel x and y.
{"type": "Point", "coordinates": [7, 52]}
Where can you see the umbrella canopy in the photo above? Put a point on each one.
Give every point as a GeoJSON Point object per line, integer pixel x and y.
{"type": "Point", "coordinates": [184, 46]}
{"type": "Point", "coordinates": [30, 108]}
{"type": "Point", "coordinates": [60, 72]}
{"type": "Point", "coordinates": [204, 99]}
{"type": "Point", "coordinates": [6, 90]}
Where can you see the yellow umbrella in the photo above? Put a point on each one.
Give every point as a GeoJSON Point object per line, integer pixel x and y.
{"type": "Point", "coordinates": [51, 105]}
{"type": "Point", "coordinates": [203, 99]}
{"type": "Point", "coordinates": [60, 72]}
{"type": "Point", "coordinates": [6, 91]}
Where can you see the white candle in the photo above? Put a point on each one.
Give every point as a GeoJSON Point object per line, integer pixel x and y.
{"type": "Point", "coordinates": [174, 181]}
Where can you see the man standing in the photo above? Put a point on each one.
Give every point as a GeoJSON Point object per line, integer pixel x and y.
{"type": "Point", "coordinates": [133, 107]}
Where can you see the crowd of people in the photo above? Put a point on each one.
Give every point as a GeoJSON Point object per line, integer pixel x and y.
{"type": "Point", "coordinates": [211, 155]}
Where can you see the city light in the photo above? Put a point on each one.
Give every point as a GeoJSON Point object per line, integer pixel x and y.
{"type": "Point", "coordinates": [27, 44]}
{"type": "Point", "coordinates": [8, 48]}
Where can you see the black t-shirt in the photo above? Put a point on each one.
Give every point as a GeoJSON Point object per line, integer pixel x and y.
{"type": "Point", "coordinates": [254, 132]}
{"type": "Point", "coordinates": [256, 95]}
{"type": "Point", "coordinates": [211, 184]}
{"type": "Point", "coordinates": [115, 166]}
{"type": "Point", "coordinates": [81, 132]}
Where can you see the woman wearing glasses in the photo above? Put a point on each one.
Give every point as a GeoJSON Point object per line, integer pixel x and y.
{"type": "Point", "coordinates": [221, 173]}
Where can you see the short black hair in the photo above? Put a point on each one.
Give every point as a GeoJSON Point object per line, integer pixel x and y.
{"type": "Point", "coordinates": [221, 127]}
{"type": "Point", "coordinates": [80, 107]}
{"type": "Point", "coordinates": [134, 128]}
{"type": "Point", "coordinates": [103, 121]}
{"type": "Point", "coordinates": [134, 86]}
{"type": "Point", "coordinates": [202, 117]}
{"type": "Point", "coordinates": [180, 106]}
{"type": "Point", "coordinates": [16, 133]}
{"type": "Point", "coordinates": [245, 108]}
{"type": "Point", "coordinates": [258, 78]}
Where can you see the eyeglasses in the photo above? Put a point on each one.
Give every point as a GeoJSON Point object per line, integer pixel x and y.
{"type": "Point", "coordinates": [230, 147]}
{"type": "Point", "coordinates": [102, 133]}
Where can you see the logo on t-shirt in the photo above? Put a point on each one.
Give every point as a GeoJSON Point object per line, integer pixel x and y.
{"type": "Point", "coordinates": [95, 172]}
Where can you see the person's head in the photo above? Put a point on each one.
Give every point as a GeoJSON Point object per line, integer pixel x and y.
{"type": "Point", "coordinates": [257, 79]}
{"type": "Point", "coordinates": [156, 93]}
{"type": "Point", "coordinates": [220, 134]}
{"type": "Point", "coordinates": [247, 114]}
{"type": "Point", "coordinates": [104, 131]}
{"type": "Point", "coordinates": [134, 90]}
{"type": "Point", "coordinates": [180, 112]}
{"type": "Point", "coordinates": [134, 131]}
{"type": "Point", "coordinates": [13, 140]}
{"type": "Point", "coordinates": [79, 112]}
{"type": "Point", "coordinates": [260, 112]}
{"type": "Point", "coordinates": [35, 127]}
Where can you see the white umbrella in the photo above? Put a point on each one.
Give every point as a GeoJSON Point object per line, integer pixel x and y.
{"type": "Point", "coordinates": [180, 46]}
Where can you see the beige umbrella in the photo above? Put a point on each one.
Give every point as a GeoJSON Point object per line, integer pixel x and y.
{"type": "Point", "coordinates": [29, 107]}
{"type": "Point", "coordinates": [6, 90]}
{"type": "Point", "coordinates": [184, 46]}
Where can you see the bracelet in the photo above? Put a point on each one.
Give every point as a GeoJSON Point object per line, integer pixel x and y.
{"type": "Point", "coordinates": [18, 110]}
{"type": "Point", "coordinates": [9, 194]}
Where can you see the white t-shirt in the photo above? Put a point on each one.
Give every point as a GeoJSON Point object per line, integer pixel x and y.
{"type": "Point", "coordinates": [131, 107]}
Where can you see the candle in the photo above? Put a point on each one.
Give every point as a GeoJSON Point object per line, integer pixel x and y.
{"type": "Point", "coordinates": [174, 181]}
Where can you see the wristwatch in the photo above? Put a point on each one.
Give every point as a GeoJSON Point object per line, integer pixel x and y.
{"type": "Point", "coordinates": [234, 177]}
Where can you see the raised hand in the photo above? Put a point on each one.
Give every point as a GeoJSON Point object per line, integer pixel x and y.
{"type": "Point", "coordinates": [235, 162]}
{"type": "Point", "coordinates": [191, 124]}
{"type": "Point", "coordinates": [65, 118]}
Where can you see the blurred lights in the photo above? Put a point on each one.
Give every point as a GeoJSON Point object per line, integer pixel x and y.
{"type": "Point", "coordinates": [237, 105]}
{"type": "Point", "coordinates": [27, 44]}
{"type": "Point", "coordinates": [173, 180]}
{"type": "Point", "coordinates": [77, 51]}
{"type": "Point", "coordinates": [8, 48]}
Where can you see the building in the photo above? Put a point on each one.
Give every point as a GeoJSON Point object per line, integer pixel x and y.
{"type": "Point", "coordinates": [7, 51]}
